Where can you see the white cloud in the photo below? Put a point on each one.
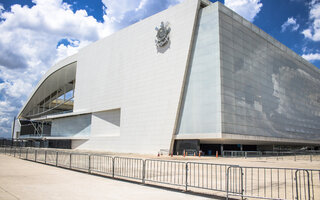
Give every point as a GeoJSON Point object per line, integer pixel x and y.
{"type": "Point", "coordinates": [311, 56]}
{"type": "Point", "coordinates": [28, 47]}
{"type": "Point", "coordinates": [313, 32]}
{"type": "Point", "coordinates": [290, 23]}
{"type": "Point", "coordinates": [246, 8]}
{"type": "Point", "coordinates": [29, 41]}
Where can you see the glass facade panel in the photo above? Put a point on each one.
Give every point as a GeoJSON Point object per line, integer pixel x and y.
{"type": "Point", "coordinates": [201, 109]}
{"type": "Point", "coordinates": [266, 90]}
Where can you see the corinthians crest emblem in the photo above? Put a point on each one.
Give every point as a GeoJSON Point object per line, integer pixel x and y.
{"type": "Point", "coordinates": [162, 37]}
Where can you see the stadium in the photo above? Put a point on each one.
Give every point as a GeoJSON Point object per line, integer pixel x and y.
{"type": "Point", "coordinates": [196, 76]}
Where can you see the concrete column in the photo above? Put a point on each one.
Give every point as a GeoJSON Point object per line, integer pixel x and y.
{"type": "Point", "coordinates": [221, 149]}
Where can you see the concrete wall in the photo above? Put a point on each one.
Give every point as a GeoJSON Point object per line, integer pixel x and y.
{"type": "Point", "coordinates": [267, 90]}
{"type": "Point", "coordinates": [126, 70]}
{"type": "Point", "coordinates": [106, 123]}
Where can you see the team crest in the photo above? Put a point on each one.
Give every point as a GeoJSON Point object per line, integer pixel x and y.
{"type": "Point", "coordinates": [162, 37]}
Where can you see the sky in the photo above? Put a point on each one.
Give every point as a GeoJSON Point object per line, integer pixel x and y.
{"type": "Point", "coordinates": [35, 34]}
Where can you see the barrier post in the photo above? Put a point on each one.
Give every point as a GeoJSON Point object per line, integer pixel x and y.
{"type": "Point", "coordinates": [70, 160]}
{"type": "Point", "coordinates": [35, 155]}
{"type": "Point", "coordinates": [310, 157]}
{"type": "Point", "coordinates": [89, 167]}
{"type": "Point", "coordinates": [45, 157]}
{"type": "Point", "coordinates": [143, 171]}
{"type": "Point", "coordinates": [186, 176]}
{"type": "Point", "coordinates": [112, 167]}
{"type": "Point", "coordinates": [57, 158]}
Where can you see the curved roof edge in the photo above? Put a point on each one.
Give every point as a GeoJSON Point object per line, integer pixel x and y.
{"type": "Point", "coordinates": [51, 70]}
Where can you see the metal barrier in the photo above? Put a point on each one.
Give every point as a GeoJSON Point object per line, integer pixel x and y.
{"type": "Point", "coordinates": [2, 150]}
{"type": "Point", "coordinates": [31, 154]}
{"type": "Point", "coordinates": [288, 155]}
{"type": "Point", "coordinates": [79, 161]}
{"type": "Point", "coordinates": [51, 157]}
{"type": "Point", "coordinates": [132, 168]}
{"type": "Point", "coordinates": [101, 164]}
{"type": "Point", "coordinates": [234, 181]}
{"type": "Point", "coordinates": [207, 176]}
{"type": "Point", "coordinates": [167, 172]}
{"type": "Point", "coordinates": [63, 159]}
{"type": "Point", "coordinates": [302, 186]}
{"type": "Point", "coordinates": [229, 180]}
{"type": "Point", "coordinates": [277, 183]}
{"type": "Point", "coordinates": [41, 155]}
{"type": "Point", "coordinates": [23, 153]}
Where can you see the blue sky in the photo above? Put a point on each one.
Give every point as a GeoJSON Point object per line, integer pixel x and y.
{"type": "Point", "coordinates": [36, 34]}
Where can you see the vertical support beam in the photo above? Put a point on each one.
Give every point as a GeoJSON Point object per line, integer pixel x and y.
{"type": "Point", "coordinates": [221, 149]}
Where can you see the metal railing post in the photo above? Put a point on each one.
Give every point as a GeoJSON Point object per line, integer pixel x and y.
{"type": "Point", "coordinates": [70, 160]}
{"type": "Point", "coordinates": [27, 154]}
{"type": "Point", "coordinates": [298, 183]}
{"type": "Point", "coordinates": [187, 176]}
{"type": "Point", "coordinates": [57, 158]}
{"type": "Point", "coordinates": [89, 166]}
{"type": "Point", "coordinates": [310, 157]}
{"type": "Point", "coordinates": [242, 190]}
{"type": "Point", "coordinates": [45, 157]}
{"type": "Point", "coordinates": [35, 155]}
{"type": "Point", "coordinates": [227, 184]}
{"type": "Point", "coordinates": [143, 171]}
{"type": "Point", "coordinates": [113, 167]}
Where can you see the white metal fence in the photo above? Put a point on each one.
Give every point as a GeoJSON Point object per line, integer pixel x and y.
{"type": "Point", "coordinates": [229, 180]}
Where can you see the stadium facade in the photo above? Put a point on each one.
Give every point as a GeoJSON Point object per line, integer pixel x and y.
{"type": "Point", "coordinates": [196, 76]}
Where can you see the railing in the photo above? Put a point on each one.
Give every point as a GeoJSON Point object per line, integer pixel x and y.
{"type": "Point", "coordinates": [227, 180]}
{"type": "Point", "coordinates": [207, 176]}
{"type": "Point", "coordinates": [128, 168]}
{"type": "Point", "coordinates": [101, 164]}
{"type": "Point", "coordinates": [287, 155]}
{"type": "Point", "coordinates": [51, 157]}
{"type": "Point", "coordinates": [166, 172]}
